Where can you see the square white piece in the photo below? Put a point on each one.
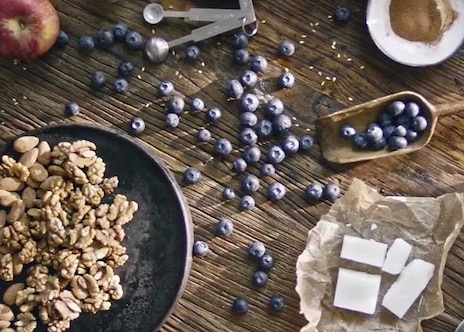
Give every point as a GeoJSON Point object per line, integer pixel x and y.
{"type": "Point", "coordinates": [364, 251]}
{"type": "Point", "coordinates": [357, 291]}
{"type": "Point", "coordinates": [397, 257]}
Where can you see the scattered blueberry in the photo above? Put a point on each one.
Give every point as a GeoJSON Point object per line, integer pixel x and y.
{"type": "Point", "coordinates": [347, 132]}
{"type": "Point", "coordinates": [273, 108]}
{"type": "Point", "coordinates": [290, 144]}
{"type": "Point", "coordinates": [252, 154]}
{"type": "Point", "coordinates": [86, 44]}
{"type": "Point", "coordinates": [248, 119]}
{"type": "Point", "coordinates": [119, 31]}
{"type": "Point", "coordinates": [204, 135]}
{"type": "Point", "coordinates": [125, 68]}
{"type": "Point", "coordinates": [247, 203]}
{"type": "Point", "coordinates": [249, 102]}
{"type": "Point", "coordinates": [175, 104]}
{"type": "Point", "coordinates": [136, 126]}
{"type": "Point", "coordinates": [331, 191]}
{"type": "Point", "coordinates": [384, 119]}
{"type": "Point", "coordinates": [248, 78]}
{"type": "Point", "coordinates": [264, 128]}
{"type": "Point", "coordinates": [72, 108]}
{"type": "Point", "coordinates": [228, 193]}
{"type": "Point", "coordinates": [222, 147]}
{"type": "Point", "coordinates": [120, 85]}
{"type": "Point", "coordinates": [105, 38]}
{"type": "Point", "coordinates": [411, 135]}
{"type": "Point", "coordinates": [380, 144]}
{"type": "Point", "coordinates": [192, 53]}
{"type": "Point", "coordinates": [240, 306]}
{"type": "Point", "coordinates": [402, 120]}
{"type": "Point", "coordinates": [396, 108]}
{"type": "Point", "coordinates": [234, 89]}
{"type": "Point", "coordinates": [286, 80]}
{"type": "Point", "coordinates": [276, 191]}
{"type": "Point", "coordinates": [275, 155]}
{"type": "Point", "coordinates": [239, 165]}
{"type": "Point", "coordinates": [224, 227]}
{"type": "Point", "coordinates": [397, 142]}
{"type": "Point", "coordinates": [171, 120]}
{"type": "Point", "coordinates": [341, 15]}
{"type": "Point", "coordinates": [400, 131]}
{"type": "Point", "coordinates": [265, 262]}
{"type": "Point", "coordinates": [374, 134]}
{"type": "Point", "coordinates": [250, 183]}
{"type": "Point", "coordinates": [98, 80]}
{"type": "Point", "coordinates": [281, 124]}
{"type": "Point", "coordinates": [200, 248]}
{"type": "Point", "coordinates": [412, 109]}
{"type": "Point", "coordinates": [248, 136]}
{"type": "Point", "coordinates": [241, 56]}
{"type": "Point", "coordinates": [259, 279]}
{"type": "Point", "coordinates": [197, 105]}
{"type": "Point", "coordinates": [62, 39]}
{"type": "Point", "coordinates": [276, 303]}
{"type": "Point", "coordinates": [256, 250]}
{"type": "Point", "coordinates": [133, 40]}
{"type": "Point", "coordinates": [360, 141]}
{"type": "Point", "coordinates": [239, 40]}
{"type": "Point", "coordinates": [286, 48]}
{"type": "Point", "coordinates": [267, 170]}
{"type": "Point", "coordinates": [192, 175]}
{"type": "Point", "coordinates": [388, 131]}
{"type": "Point", "coordinates": [306, 142]}
{"type": "Point", "coordinates": [314, 192]}
{"type": "Point", "coordinates": [213, 115]}
{"type": "Point", "coordinates": [258, 64]}
{"type": "Point", "coordinates": [419, 123]}
{"type": "Point", "coordinates": [165, 88]}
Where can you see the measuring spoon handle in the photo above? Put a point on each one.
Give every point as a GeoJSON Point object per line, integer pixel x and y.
{"type": "Point", "coordinates": [450, 108]}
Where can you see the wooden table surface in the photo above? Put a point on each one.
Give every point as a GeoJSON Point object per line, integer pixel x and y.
{"type": "Point", "coordinates": [335, 67]}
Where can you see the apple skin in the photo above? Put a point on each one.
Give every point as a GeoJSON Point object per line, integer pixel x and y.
{"type": "Point", "coordinates": [28, 28]}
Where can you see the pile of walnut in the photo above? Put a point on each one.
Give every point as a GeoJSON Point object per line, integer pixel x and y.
{"type": "Point", "coordinates": [52, 217]}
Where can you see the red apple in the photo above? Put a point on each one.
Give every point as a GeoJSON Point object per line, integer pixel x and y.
{"type": "Point", "coordinates": [28, 28]}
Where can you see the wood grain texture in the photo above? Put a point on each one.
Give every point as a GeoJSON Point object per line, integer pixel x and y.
{"type": "Point", "coordinates": [33, 94]}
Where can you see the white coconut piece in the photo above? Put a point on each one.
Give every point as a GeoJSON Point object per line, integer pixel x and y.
{"type": "Point", "coordinates": [357, 291]}
{"type": "Point", "coordinates": [412, 53]}
{"type": "Point", "coordinates": [407, 288]}
{"type": "Point", "coordinates": [397, 256]}
{"type": "Point", "coordinates": [364, 251]}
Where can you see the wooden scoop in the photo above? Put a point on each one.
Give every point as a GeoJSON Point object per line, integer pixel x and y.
{"type": "Point", "coordinates": [337, 150]}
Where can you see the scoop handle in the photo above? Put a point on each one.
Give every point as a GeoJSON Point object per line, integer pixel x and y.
{"type": "Point", "coordinates": [451, 108]}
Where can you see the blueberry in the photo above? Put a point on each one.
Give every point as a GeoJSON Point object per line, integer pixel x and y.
{"type": "Point", "coordinates": [239, 165]}
{"type": "Point", "coordinates": [380, 144]}
{"type": "Point", "coordinates": [204, 135]}
{"type": "Point", "coordinates": [384, 119]}
{"type": "Point", "coordinates": [165, 88]}
{"type": "Point", "coordinates": [120, 85]}
{"type": "Point", "coordinates": [372, 125]}
{"type": "Point", "coordinates": [72, 108]}
{"type": "Point", "coordinates": [331, 191]}
{"type": "Point", "coordinates": [241, 56]}
{"type": "Point", "coordinates": [248, 136]}
{"type": "Point", "coordinates": [105, 38]}
{"type": "Point", "coordinates": [133, 40]}
{"type": "Point", "coordinates": [290, 144]}
{"type": "Point", "coordinates": [252, 154]}
{"type": "Point", "coordinates": [264, 128]}
{"type": "Point", "coordinates": [412, 109]}
{"type": "Point", "coordinates": [239, 40]}
{"type": "Point", "coordinates": [175, 104]}
{"type": "Point", "coordinates": [374, 134]}
{"type": "Point", "coordinates": [247, 203]}
{"type": "Point", "coordinates": [397, 142]}
{"type": "Point", "coordinates": [400, 131]}
{"type": "Point", "coordinates": [341, 15]}
{"type": "Point", "coordinates": [248, 119]}
{"type": "Point", "coordinates": [256, 250]}
{"type": "Point", "coordinates": [396, 108]}
{"type": "Point", "coordinates": [306, 142]}
{"type": "Point", "coordinates": [240, 306]}
{"type": "Point", "coordinates": [171, 120]}
{"type": "Point", "coordinates": [197, 105]}
{"type": "Point", "coordinates": [249, 102]}
{"type": "Point", "coordinates": [192, 175]}
{"type": "Point", "coordinates": [276, 191]}
{"type": "Point", "coordinates": [192, 53]}
{"type": "Point", "coordinates": [224, 227]}
{"type": "Point", "coordinates": [120, 31]}
{"type": "Point", "coordinates": [273, 108]}
{"type": "Point", "coordinates": [258, 64]}
{"type": "Point", "coordinates": [62, 39]}
{"type": "Point", "coordinates": [259, 279]}
{"type": "Point", "coordinates": [314, 192]}
{"type": "Point", "coordinates": [281, 123]}
{"type": "Point", "coordinates": [250, 183]}
{"type": "Point", "coordinates": [276, 303]}
{"type": "Point", "coordinates": [286, 80]}
{"type": "Point", "coordinates": [347, 132]}
{"type": "Point", "coordinates": [266, 262]}
{"type": "Point", "coordinates": [136, 126]}
{"type": "Point", "coordinates": [275, 155]}
{"type": "Point", "coordinates": [248, 78]}
{"type": "Point", "coordinates": [234, 89]}
{"type": "Point", "coordinates": [97, 80]}
{"type": "Point", "coordinates": [200, 248]}
{"type": "Point", "coordinates": [228, 193]}
{"type": "Point", "coordinates": [213, 115]}
{"type": "Point", "coordinates": [388, 131]}
{"type": "Point", "coordinates": [419, 123]}
{"type": "Point", "coordinates": [222, 147]}
{"type": "Point", "coordinates": [360, 141]}
{"type": "Point", "coordinates": [125, 68]}
{"type": "Point", "coordinates": [86, 44]}
{"type": "Point", "coordinates": [411, 135]}
{"type": "Point", "coordinates": [267, 170]}
{"type": "Point", "coordinates": [285, 48]}
{"type": "Point", "coordinates": [402, 120]}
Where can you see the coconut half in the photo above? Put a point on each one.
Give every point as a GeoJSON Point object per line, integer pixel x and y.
{"type": "Point", "coordinates": [417, 53]}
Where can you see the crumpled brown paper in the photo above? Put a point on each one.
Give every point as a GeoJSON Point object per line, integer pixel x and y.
{"type": "Point", "coordinates": [430, 225]}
